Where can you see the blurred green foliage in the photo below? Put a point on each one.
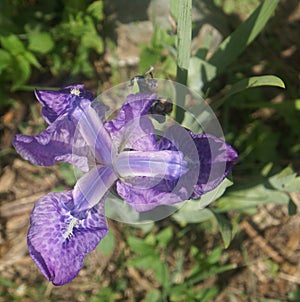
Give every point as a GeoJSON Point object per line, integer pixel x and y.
{"type": "Point", "coordinates": [57, 37]}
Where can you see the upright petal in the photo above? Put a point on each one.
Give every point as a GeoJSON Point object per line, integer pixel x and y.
{"type": "Point", "coordinates": [57, 241]}
{"type": "Point", "coordinates": [139, 132]}
{"type": "Point", "coordinates": [96, 136]}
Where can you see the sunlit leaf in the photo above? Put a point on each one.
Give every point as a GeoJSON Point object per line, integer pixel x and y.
{"type": "Point", "coordinates": [250, 198]}
{"type": "Point", "coordinates": [184, 33]}
{"type": "Point", "coordinates": [12, 44]}
{"type": "Point", "coordinates": [40, 42]}
{"type": "Point", "coordinates": [266, 80]}
{"type": "Point", "coordinates": [286, 181]}
{"type": "Point", "coordinates": [190, 214]}
{"type": "Point", "coordinates": [200, 72]}
{"type": "Point", "coordinates": [96, 10]}
{"type": "Point", "coordinates": [225, 228]}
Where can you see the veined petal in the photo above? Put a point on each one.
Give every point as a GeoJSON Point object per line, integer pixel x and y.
{"type": "Point", "coordinates": [57, 241]}
{"type": "Point", "coordinates": [166, 192]}
{"type": "Point", "coordinates": [139, 132]}
{"type": "Point", "coordinates": [56, 103]}
{"type": "Point", "coordinates": [56, 143]}
{"type": "Point", "coordinates": [94, 133]}
{"type": "Point", "coordinates": [91, 188]}
{"type": "Point", "coordinates": [155, 164]}
{"type": "Point", "coordinates": [210, 158]}
{"type": "Point", "coordinates": [216, 160]}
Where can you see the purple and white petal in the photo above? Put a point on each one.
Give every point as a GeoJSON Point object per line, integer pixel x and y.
{"type": "Point", "coordinates": [165, 192]}
{"type": "Point", "coordinates": [139, 132]}
{"type": "Point", "coordinates": [216, 159]}
{"type": "Point", "coordinates": [91, 188]}
{"type": "Point", "coordinates": [57, 241]}
{"type": "Point", "coordinates": [96, 136]}
{"type": "Point", "coordinates": [56, 103]}
{"type": "Point", "coordinates": [54, 144]}
{"type": "Point", "coordinates": [153, 164]}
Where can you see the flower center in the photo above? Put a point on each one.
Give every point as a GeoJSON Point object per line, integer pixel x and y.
{"type": "Point", "coordinates": [75, 91]}
{"type": "Point", "coordinates": [69, 231]}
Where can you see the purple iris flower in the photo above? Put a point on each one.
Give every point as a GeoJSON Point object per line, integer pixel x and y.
{"type": "Point", "coordinates": [147, 170]}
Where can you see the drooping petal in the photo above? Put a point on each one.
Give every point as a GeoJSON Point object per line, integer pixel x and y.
{"type": "Point", "coordinates": [139, 132]}
{"type": "Point", "coordinates": [216, 159]}
{"type": "Point", "coordinates": [212, 157]}
{"type": "Point", "coordinates": [58, 242]}
{"type": "Point", "coordinates": [54, 144]}
{"type": "Point", "coordinates": [91, 188]}
{"type": "Point", "coordinates": [56, 103]}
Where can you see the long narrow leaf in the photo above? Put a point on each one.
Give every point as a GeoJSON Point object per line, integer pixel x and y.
{"type": "Point", "coordinates": [184, 33]}
{"type": "Point", "coordinates": [235, 44]}
{"type": "Point", "coordinates": [184, 40]}
{"type": "Point", "coordinates": [266, 80]}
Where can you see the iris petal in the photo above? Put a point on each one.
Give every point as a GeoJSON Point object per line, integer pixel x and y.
{"type": "Point", "coordinates": [55, 103]}
{"type": "Point", "coordinates": [58, 256]}
{"type": "Point", "coordinates": [165, 192]}
{"type": "Point", "coordinates": [216, 160]}
{"type": "Point", "coordinates": [56, 143]}
{"type": "Point", "coordinates": [166, 164]}
{"type": "Point", "coordinates": [139, 132]}
{"type": "Point", "coordinates": [92, 130]}
{"type": "Point", "coordinates": [92, 187]}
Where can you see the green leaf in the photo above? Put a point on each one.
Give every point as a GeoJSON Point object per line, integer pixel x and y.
{"type": "Point", "coordinates": [213, 195]}
{"type": "Point", "coordinates": [225, 228]}
{"type": "Point", "coordinates": [266, 80]}
{"type": "Point", "coordinates": [250, 198]}
{"type": "Point", "coordinates": [184, 33]}
{"type": "Point", "coordinates": [200, 72]}
{"type": "Point", "coordinates": [193, 210]}
{"type": "Point", "coordinates": [12, 44]}
{"type": "Point", "coordinates": [96, 10]}
{"type": "Point", "coordinates": [164, 237]}
{"type": "Point", "coordinates": [174, 9]}
{"type": "Point", "coordinates": [292, 207]}
{"type": "Point", "coordinates": [153, 296]}
{"type": "Point", "coordinates": [32, 59]}
{"type": "Point", "coordinates": [190, 213]}
{"type": "Point", "coordinates": [214, 256]}
{"type": "Point", "coordinates": [235, 44]}
{"type": "Point", "coordinates": [139, 246]}
{"type": "Point", "coordinates": [5, 59]}
{"type": "Point", "coordinates": [161, 272]}
{"type": "Point", "coordinates": [144, 261]}
{"type": "Point", "coordinates": [286, 181]}
{"type": "Point", "coordinates": [40, 42]}
{"type": "Point", "coordinates": [92, 41]}
{"type": "Point", "coordinates": [21, 72]}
